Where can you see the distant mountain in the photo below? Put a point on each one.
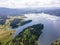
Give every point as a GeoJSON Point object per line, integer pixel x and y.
{"type": "Point", "coordinates": [9, 11]}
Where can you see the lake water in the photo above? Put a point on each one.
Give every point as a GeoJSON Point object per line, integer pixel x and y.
{"type": "Point", "coordinates": [51, 29]}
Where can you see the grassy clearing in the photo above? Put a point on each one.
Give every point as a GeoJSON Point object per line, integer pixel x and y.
{"type": "Point", "coordinates": [5, 36]}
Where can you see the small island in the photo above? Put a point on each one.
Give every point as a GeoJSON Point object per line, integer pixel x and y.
{"type": "Point", "coordinates": [56, 42]}
{"type": "Point", "coordinates": [29, 36]}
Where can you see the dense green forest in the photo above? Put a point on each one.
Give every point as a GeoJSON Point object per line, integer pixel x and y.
{"type": "Point", "coordinates": [29, 36]}
{"type": "Point", "coordinates": [18, 22]}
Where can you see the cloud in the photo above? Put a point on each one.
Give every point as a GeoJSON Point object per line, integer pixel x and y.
{"type": "Point", "coordinates": [29, 3]}
{"type": "Point", "coordinates": [41, 15]}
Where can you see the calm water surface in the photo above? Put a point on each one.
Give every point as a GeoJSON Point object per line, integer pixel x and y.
{"type": "Point", "coordinates": [51, 29]}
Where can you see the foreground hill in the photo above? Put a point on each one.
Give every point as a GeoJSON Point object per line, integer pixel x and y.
{"type": "Point", "coordinates": [29, 36]}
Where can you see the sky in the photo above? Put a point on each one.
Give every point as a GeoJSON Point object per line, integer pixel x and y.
{"type": "Point", "coordinates": [29, 3]}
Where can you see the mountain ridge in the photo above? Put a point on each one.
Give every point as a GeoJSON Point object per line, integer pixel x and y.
{"type": "Point", "coordinates": [9, 11]}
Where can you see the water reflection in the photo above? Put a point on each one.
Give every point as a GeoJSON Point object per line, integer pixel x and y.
{"type": "Point", "coordinates": [51, 29]}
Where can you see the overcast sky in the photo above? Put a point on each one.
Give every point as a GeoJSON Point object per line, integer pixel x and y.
{"type": "Point", "coordinates": [29, 3]}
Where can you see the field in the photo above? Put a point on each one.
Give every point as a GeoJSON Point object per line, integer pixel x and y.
{"type": "Point", "coordinates": [5, 36]}
{"type": "Point", "coordinates": [6, 33]}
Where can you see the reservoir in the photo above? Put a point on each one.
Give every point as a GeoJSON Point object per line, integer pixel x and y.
{"type": "Point", "coordinates": [51, 29]}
